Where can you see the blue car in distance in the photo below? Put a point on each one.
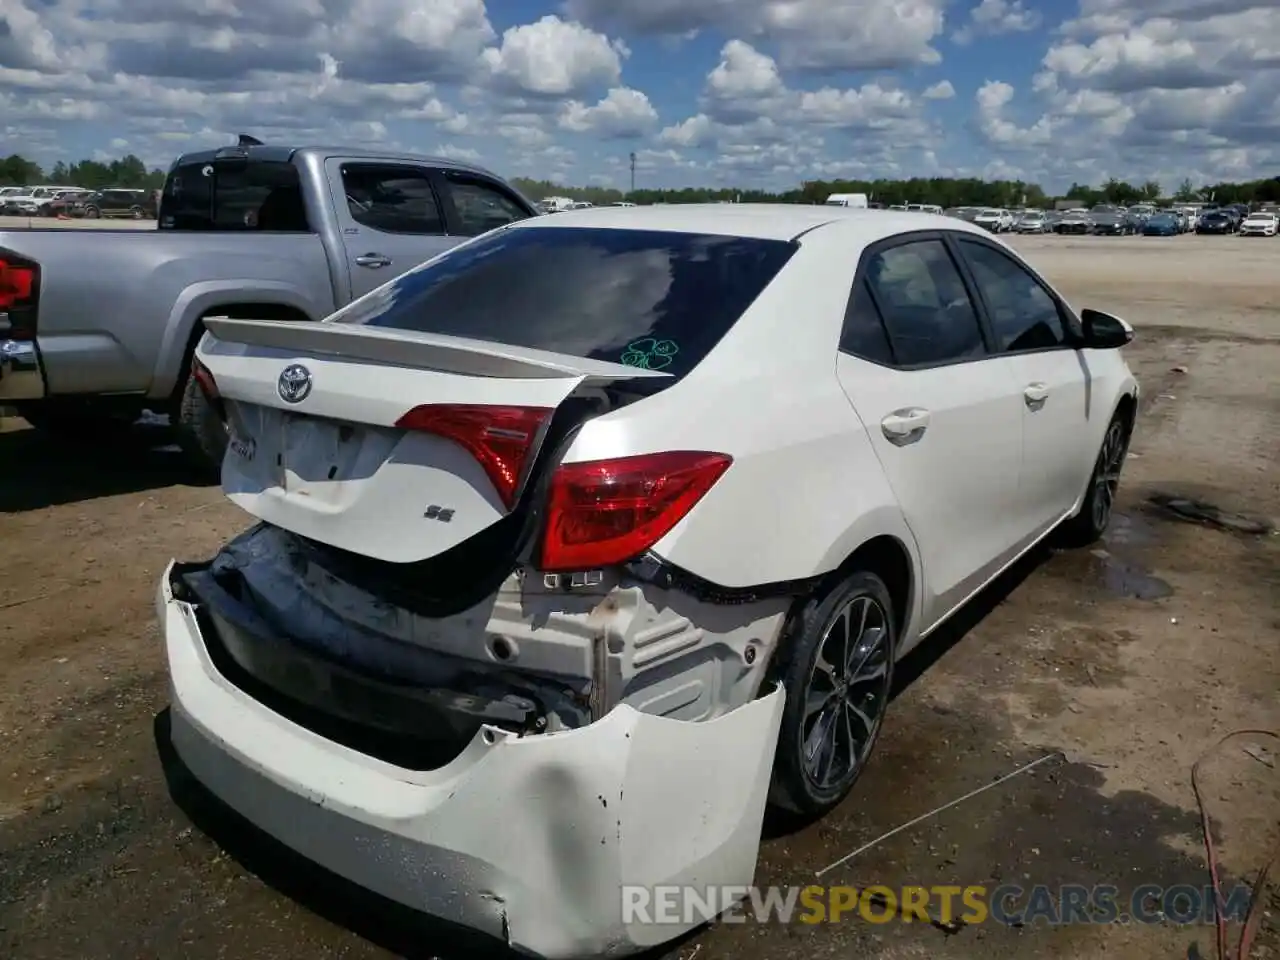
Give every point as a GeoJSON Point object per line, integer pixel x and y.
{"type": "Point", "coordinates": [1162, 225]}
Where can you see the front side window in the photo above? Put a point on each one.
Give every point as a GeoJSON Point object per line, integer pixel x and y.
{"type": "Point", "coordinates": [651, 299]}
{"type": "Point", "coordinates": [926, 308]}
{"type": "Point", "coordinates": [392, 198]}
{"type": "Point", "coordinates": [1023, 314]}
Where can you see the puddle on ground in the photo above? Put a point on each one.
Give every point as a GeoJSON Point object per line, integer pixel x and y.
{"type": "Point", "coordinates": [1203, 512]}
{"type": "Point", "coordinates": [1102, 571]}
{"type": "Point", "coordinates": [1126, 579]}
{"type": "Point", "coordinates": [1126, 530]}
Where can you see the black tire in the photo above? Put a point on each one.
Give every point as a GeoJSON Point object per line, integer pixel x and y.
{"type": "Point", "coordinates": [797, 786]}
{"type": "Point", "coordinates": [201, 433]}
{"type": "Point", "coordinates": [92, 213]}
{"type": "Point", "coordinates": [1094, 516]}
{"type": "Point", "coordinates": [136, 212]}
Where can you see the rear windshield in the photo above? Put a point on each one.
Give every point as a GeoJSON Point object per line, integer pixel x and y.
{"type": "Point", "coordinates": [650, 299]}
{"type": "Point", "coordinates": [234, 194]}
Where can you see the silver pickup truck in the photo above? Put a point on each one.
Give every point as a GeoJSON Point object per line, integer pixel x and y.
{"type": "Point", "coordinates": [97, 326]}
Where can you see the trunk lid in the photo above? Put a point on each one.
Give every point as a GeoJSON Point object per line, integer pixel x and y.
{"type": "Point", "coordinates": [393, 445]}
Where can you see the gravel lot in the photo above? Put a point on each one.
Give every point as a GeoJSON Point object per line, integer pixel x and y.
{"type": "Point", "coordinates": [1132, 659]}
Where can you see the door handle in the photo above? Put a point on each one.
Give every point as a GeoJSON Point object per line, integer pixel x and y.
{"type": "Point", "coordinates": [1035, 395]}
{"type": "Point", "coordinates": [905, 426]}
{"type": "Point", "coordinates": [373, 261]}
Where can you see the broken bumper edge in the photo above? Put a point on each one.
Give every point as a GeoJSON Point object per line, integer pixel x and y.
{"type": "Point", "coordinates": [531, 840]}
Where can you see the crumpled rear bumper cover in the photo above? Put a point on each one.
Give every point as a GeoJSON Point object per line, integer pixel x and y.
{"type": "Point", "coordinates": [530, 839]}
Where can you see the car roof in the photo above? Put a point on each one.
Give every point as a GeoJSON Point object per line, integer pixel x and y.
{"type": "Point", "coordinates": [760, 221]}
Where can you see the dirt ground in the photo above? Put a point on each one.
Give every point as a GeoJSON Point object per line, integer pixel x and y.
{"type": "Point", "coordinates": [1131, 659]}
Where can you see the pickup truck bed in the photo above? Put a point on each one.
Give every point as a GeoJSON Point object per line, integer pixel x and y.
{"type": "Point", "coordinates": [98, 325]}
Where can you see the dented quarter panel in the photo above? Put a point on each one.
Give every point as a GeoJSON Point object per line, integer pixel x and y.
{"type": "Point", "coordinates": [631, 799]}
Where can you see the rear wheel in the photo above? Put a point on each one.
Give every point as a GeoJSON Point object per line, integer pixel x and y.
{"type": "Point", "coordinates": [1091, 522]}
{"type": "Point", "coordinates": [201, 433]}
{"type": "Point", "coordinates": [837, 674]}
{"type": "Point", "coordinates": [136, 213]}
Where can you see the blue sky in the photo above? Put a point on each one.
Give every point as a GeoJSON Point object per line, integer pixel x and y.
{"type": "Point", "coordinates": [752, 93]}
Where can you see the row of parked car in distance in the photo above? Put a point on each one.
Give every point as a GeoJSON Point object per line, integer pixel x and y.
{"type": "Point", "coordinates": [53, 201]}
{"type": "Point", "coordinates": [1111, 220]}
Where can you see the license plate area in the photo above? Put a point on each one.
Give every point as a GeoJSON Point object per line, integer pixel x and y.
{"type": "Point", "coordinates": [315, 451]}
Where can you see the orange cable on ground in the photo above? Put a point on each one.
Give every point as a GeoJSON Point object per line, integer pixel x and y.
{"type": "Point", "coordinates": [1253, 917]}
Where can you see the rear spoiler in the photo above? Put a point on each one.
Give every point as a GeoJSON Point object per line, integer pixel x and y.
{"type": "Point", "coordinates": [432, 351]}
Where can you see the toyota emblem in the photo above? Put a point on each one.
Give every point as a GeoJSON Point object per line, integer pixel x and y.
{"type": "Point", "coordinates": [294, 384]}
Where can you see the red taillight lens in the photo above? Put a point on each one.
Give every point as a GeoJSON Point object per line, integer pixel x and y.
{"type": "Point", "coordinates": [204, 378]}
{"type": "Point", "coordinates": [606, 512]}
{"type": "Point", "coordinates": [16, 283]}
{"type": "Point", "coordinates": [19, 282]}
{"type": "Point", "coordinates": [500, 438]}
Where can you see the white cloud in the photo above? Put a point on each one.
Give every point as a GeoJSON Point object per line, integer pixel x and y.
{"type": "Point", "coordinates": [553, 57]}
{"type": "Point", "coordinates": [942, 90]}
{"type": "Point", "coordinates": [622, 113]}
{"type": "Point", "coordinates": [991, 18]}
{"type": "Point", "coordinates": [809, 34]}
{"type": "Point", "coordinates": [992, 98]}
{"type": "Point", "coordinates": [748, 110]}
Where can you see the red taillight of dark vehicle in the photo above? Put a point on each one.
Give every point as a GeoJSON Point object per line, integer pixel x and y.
{"type": "Point", "coordinates": [605, 512]}
{"type": "Point", "coordinates": [500, 438]}
{"type": "Point", "coordinates": [19, 285]}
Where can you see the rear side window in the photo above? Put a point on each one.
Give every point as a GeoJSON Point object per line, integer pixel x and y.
{"type": "Point", "coordinates": [651, 299]}
{"type": "Point", "coordinates": [234, 194]}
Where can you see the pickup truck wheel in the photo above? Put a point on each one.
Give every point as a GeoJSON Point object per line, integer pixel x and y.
{"type": "Point", "coordinates": [201, 432]}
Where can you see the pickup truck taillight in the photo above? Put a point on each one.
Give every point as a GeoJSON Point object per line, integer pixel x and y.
{"type": "Point", "coordinates": [19, 289]}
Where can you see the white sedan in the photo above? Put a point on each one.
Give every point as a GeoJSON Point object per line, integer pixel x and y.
{"type": "Point", "coordinates": [1260, 225]}
{"type": "Point", "coordinates": [582, 542]}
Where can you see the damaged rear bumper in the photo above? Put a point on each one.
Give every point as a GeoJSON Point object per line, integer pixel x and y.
{"type": "Point", "coordinates": [528, 838]}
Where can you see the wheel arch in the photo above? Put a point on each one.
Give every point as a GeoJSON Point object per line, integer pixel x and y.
{"type": "Point", "coordinates": [888, 557]}
{"type": "Point", "coordinates": [186, 324]}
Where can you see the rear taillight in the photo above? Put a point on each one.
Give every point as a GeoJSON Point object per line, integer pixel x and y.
{"type": "Point", "coordinates": [605, 512]}
{"type": "Point", "coordinates": [500, 438]}
{"type": "Point", "coordinates": [19, 286]}
{"type": "Point", "coordinates": [204, 378]}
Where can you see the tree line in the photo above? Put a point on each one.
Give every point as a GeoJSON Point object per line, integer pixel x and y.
{"type": "Point", "coordinates": [130, 171]}
{"type": "Point", "coordinates": [946, 192]}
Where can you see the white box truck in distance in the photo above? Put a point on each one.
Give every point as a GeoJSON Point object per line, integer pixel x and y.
{"type": "Point", "coordinates": [847, 200]}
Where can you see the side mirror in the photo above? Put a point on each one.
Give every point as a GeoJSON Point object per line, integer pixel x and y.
{"type": "Point", "coordinates": [1102, 331]}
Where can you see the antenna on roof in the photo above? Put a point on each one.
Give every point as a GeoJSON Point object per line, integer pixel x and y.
{"type": "Point", "coordinates": [248, 141]}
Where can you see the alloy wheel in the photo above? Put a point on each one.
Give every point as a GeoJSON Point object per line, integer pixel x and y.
{"type": "Point", "coordinates": [847, 693]}
{"type": "Point", "coordinates": [1106, 477]}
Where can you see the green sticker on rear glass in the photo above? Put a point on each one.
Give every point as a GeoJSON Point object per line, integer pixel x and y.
{"type": "Point", "coordinates": [650, 354]}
